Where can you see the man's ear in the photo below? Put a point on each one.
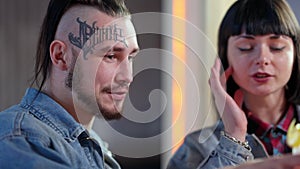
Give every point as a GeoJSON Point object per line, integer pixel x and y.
{"type": "Point", "coordinates": [58, 54]}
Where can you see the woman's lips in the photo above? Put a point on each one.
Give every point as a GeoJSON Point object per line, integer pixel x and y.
{"type": "Point", "coordinates": [261, 77]}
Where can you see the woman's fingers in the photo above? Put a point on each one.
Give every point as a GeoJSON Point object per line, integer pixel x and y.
{"type": "Point", "coordinates": [225, 75]}
{"type": "Point", "coordinates": [233, 117]}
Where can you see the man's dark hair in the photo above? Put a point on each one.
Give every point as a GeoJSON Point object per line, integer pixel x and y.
{"type": "Point", "coordinates": [261, 17]}
{"type": "Point", "coordinates": [55, 11]}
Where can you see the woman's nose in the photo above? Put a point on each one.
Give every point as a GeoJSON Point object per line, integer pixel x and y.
{"type": "Point", "coordinates": [263, 57]}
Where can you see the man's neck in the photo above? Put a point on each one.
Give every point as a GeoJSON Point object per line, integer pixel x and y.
{"type": "Point", "coordinates": [85, 118]}
{"type": "Point", "coordinates": [65, 99]}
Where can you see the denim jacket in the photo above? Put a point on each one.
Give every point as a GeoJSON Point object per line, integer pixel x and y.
{"type": "Point", "coordinates": [215, 151]}
{"type": "Point", "coordinates": [38, 134]}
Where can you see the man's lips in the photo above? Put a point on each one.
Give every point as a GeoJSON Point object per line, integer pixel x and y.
{"type": "Point", "coordinates": [117, 95]}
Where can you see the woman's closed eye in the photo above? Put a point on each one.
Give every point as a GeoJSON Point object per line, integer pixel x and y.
{"type": "Point", "coordinates": [277, 48]}
{"type": "Point", "coordinates": [245, 49]}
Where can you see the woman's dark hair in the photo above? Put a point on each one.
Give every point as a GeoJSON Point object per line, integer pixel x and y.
{"type": "Point", "coordinates": [261, 17]}
{"type": "Point", "coordinates": [55, 11]}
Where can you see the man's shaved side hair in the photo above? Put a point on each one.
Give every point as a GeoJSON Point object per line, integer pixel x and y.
{"type": "Point", "coordinates": [56, 10]}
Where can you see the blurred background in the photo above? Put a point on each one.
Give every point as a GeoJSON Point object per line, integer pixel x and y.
{"type": "Point", "coordinates": [169, 97]}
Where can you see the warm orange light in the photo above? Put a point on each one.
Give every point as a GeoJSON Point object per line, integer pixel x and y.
{"type": "Point", "coordinates": [178, 8]}
{"type": "Point", "coordinates": [178, 87]}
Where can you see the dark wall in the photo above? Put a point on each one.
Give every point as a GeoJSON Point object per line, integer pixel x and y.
{"type": "Point", "coordinates": [19, 28]}
{"type": "Point", "coordinates": [144, 82]}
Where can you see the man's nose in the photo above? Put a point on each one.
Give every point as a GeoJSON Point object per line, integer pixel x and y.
{"type": "Point", "coordinates": [124, 72]}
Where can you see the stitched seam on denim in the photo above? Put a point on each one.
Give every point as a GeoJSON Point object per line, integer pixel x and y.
{"type": "Point", "coordinates": [226, 155]}
{"type": "Point", "coordinates": [36, 113]}
{"type": "Point", "coordinates": [230, 154]}
{"type": "Point", "coordinates": [17, 123]}
{"type": "Point", "coordinates": [28, 136]}
{"type": "Point", "coordinates": [16, 129]}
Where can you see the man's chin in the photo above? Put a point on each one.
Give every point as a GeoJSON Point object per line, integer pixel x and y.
{"type": "Point", "coordinates": [110, 111]}
{"type": "Point", "coordinates": [112, 114]}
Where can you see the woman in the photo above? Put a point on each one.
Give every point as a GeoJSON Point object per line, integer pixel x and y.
{"type": "Point", "coordinates": [258, 46]}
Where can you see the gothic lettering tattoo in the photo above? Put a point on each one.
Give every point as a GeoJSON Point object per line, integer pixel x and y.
{"type": "Point", "coordinates": [92, 35]}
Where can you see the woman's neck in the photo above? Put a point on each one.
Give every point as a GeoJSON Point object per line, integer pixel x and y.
{"type": "Point", "coordinates": [268, 108]}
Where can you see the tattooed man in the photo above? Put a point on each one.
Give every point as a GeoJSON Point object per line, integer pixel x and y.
{"type": "Point", "coordinates": [83, 69]}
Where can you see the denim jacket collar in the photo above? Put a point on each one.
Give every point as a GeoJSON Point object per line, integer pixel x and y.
{"type": "Point", "coordinates": [51, 113]}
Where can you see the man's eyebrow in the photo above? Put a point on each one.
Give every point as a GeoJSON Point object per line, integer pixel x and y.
{"type": "Point", "coordinates": [106, 48]}
{"type": "Point", "coordinates": [118, 49]}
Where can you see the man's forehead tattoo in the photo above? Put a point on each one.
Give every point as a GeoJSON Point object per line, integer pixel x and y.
{"type": "Point", "coordinates": [92, 35]}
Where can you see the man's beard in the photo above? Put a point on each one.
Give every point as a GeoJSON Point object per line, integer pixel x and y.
{"type": "Point", "coordinates": [88, 98]}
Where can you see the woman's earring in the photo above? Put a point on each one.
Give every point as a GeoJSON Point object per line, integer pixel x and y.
{"type": "Point", "coordinates": [286, 87]}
